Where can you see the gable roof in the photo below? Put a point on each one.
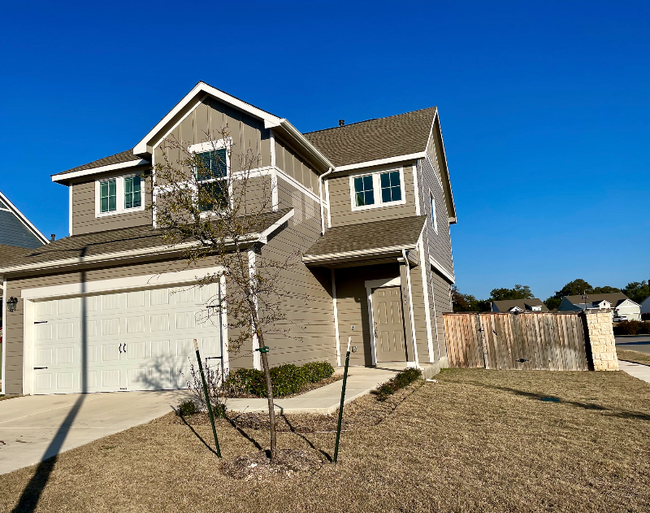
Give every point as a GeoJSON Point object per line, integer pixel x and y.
{"type": "Point", "coordinates": [120, 160]}
{"type": "Point", "coordinates": [16, 229]}
{"type": "Point", "coordinates": [614, 298]}
{"type": "Point", "coordinates": [374, 238]}
{"type": "Point", "coordinates": [117, 244]}
{"type": "Point", "coordinates": [375, 139]}
{"type": "Point", "coordinates": [524, 304]}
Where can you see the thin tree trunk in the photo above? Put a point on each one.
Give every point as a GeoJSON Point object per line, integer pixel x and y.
{"type": "Point", "coordinates": [269, 390]}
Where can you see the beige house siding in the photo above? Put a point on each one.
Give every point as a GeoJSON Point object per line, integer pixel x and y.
{"type": "Point", "coordinates": [419, 315]}
{"type": "Point", "coordinates": [442, 291]}
{"type": "Point", "coordinates": [295, 166]}
{"type": "Point", "coordinates": [84, 218]}
{"type": "Point", "coordinates": [251, 141]}
{"type": "Point", "coordinates": [341, 203]}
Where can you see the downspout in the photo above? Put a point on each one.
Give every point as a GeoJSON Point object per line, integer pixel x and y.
{"type": "Point", "coordinates": [411, 318]}
{"type": "Point", "coordinates": [320, 195]}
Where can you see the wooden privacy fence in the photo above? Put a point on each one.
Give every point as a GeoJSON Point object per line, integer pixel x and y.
{"type": "Point", "coordinates": [540, 341]}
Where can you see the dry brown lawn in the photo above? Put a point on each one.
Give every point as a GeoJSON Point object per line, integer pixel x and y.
{"type": "Point", "coordinates": [475, 441]}
{"type": "Point", "coordinates": [633, 356]}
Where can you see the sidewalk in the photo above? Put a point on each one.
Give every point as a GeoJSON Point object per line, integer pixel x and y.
{"type": "Point", "coordinates": [635, 369]}
{"type": "Point", "coordinates": [324, 400]}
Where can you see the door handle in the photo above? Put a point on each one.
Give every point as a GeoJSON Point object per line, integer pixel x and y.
{"type": "Point", "coordinates": [40, 368]}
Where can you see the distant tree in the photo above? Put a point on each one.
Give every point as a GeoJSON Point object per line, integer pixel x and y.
{"type": "Point", "coordinates": [574, 288]}
{"type": "Point", "coordinates": [467, 302]}
{"type": "Point", "coordinates": [637, 291]}
{"type": "Point", "coordinates": [552, 303]}
{"type": "Point", "coordinates": [518, 292]}
{"type": "Point", "coordinates": [605, 290]}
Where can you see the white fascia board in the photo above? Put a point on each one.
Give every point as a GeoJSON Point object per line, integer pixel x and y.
{"type": "Point", "coordinates": [454, 218]}
{"type": "Point", "coordinates": [92, 171]}
{"type": "Point", "coordinates": [304, 142]}
{"type": "Point", "coordinates": [356, 253]}
{"type": "Point", "coordinates": [203, 88]}
{"type": "Point", "coordinates": [441, 269]}
{"type": "Point", "coordinates": [24, 220]}
{"type": "Point", "coordinates": [380, 162]}
{"type": "Point", "coordinates": [264, 236]}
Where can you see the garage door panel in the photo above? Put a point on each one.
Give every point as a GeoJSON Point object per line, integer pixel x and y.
{"type": "Point", "coordinates": [140, 340]}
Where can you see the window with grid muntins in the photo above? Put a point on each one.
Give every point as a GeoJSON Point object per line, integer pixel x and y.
{"type": "Point", "coordinates": [213, 189]}
{"type": "Point", "coordinates": [390, 187]}
{"type": "Point", "coordinates": [108, 196]}
{"type": "Point", "coordinates": [364, 191]}
{"type": "Point", "coordinates": [213, 165]}
{"type": "Point", "coordinates": [132, 192]}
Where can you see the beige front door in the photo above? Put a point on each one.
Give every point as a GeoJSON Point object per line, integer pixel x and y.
{"type": "Point", "coordinates": [388, 324]}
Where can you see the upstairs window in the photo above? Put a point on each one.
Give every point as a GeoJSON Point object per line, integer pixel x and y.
{"type": "Point", "coordinates": [132, 192]}
{"type": "Point", "coordinates": [434, 218]}
{"type": "Point", "coordinates": [108, 196]}
{"type": "Point", "coordinates": [377, 189]}
{"type": "Point", "coordinates": [211, 175]}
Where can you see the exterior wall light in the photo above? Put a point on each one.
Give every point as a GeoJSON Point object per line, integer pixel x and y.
{"type": "Point", "coordinates": [11, 304]}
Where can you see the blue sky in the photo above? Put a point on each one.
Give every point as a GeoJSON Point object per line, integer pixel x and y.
{"type": "Point", "coordinates": [545, 108]}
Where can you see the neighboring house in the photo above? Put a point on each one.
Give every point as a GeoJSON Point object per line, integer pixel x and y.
{"type": "Point", "coordinates": [519, 306]}
{"type": "Point", "coordinates": [368, 204]}
{"type": "Point", "coordinates": [15, 228]}
{"type": "Point", "coordinates": [618, 302]}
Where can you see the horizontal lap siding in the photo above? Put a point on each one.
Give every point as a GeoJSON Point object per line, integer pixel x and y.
{"type": "Point", "coordinates": [15, 233]}
{"type": "Point", "coordinates": [308, 333]}
{"type": "Point", "coordinates": [442, 304]}
{"type": "Point", "coordinates": [419, 315]}
{"type": "Point", "coordinates": [83, 207]}
{"type": "Point", "coordinates": [341, 203]}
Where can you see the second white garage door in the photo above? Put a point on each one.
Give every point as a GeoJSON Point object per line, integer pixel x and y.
{"type": "Point", "coordinates": [139, 340]}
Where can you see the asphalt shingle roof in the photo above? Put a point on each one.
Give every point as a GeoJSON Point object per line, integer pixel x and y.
{"type": "Point", "coordinates": [9, 253]}
{"type": "Point", "coordinates": [403, 232]}
{"type": "Point", "coordinates": [525, 304]}
{"type": "Point", "coordinates": [112, 241]}
{"type": "Point", "coordinates": [118, 158]}
{"type": "Point", "coordinates": [376, 138]}
{"type": "Point", "coordinates": [615, 298]}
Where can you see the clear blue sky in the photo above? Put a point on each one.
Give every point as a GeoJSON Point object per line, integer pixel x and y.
{"type": "Point", "coordinates": [545, 108]}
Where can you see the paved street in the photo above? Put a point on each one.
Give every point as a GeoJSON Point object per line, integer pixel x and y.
{"type": "Point", "coordinates": [635, 343]}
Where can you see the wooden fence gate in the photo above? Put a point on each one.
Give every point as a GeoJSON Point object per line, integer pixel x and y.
{"type": "Point", "coordinates": [541, 341]}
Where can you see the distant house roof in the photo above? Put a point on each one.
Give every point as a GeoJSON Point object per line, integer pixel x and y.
{"type": "Point", "coordinates": [375, 139]}
{"type": "Point", "coordinates": [614, 298]}
{"type": "Point", "coordinates": [526, 305]}
{"type": "Point", "coordinates": [16, 229]}
{"type": "Point", "coordinates": [114, 244]}
{"type": "Point", "coordinates": [366, 239]}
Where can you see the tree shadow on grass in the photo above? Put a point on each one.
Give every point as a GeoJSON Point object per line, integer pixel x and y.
{"type": "Point", "coordinates": [293, 430]}
{"type": "Point", "coordinates": [623, 414]}
{"type": "Point", "coordinates": [213, 451]}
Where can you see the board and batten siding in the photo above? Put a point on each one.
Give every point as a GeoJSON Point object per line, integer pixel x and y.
{"type": "Point", "coordinates": [296, 167]}
{"type": "Point", "coordinates": [341, 204]}
{"type": "Point", "coordinates": [206, 122]}
{"type": "Point", "coordinates": [84, 219]}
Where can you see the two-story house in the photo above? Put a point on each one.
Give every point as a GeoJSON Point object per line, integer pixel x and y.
{"type": "Point", "coordinates": [369, 205]}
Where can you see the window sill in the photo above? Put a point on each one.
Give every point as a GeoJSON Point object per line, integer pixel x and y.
{"type": "Point", "coordinates": [379, 205]}
{"type": "Point", "coordinates": [119, 212]}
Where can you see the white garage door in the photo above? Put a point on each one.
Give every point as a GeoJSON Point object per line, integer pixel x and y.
{"type": "Point", "coordinates": [140, 340]}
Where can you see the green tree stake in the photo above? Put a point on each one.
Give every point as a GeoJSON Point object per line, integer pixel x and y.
{"type": "Point", "coordinates": [207, 398]}
{"type": "Point", "coordinates": [345, 380]}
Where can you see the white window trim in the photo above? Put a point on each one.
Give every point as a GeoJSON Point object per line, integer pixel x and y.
{"type": "Point", "coordinates": [432, 205]}
{"type": "Point", "coordinates": [215, 145]}
{"type": "Point", "coordinates": [119, 196]}
{"type": "Point", "coordinates": [376, 185]}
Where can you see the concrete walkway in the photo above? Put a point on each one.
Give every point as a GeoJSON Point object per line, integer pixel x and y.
{"type": "Point", "coordinates": [635, 369]}
{"type": "Point", "coordinates": [324, 400]}
{"type": "Point", "coordinates": [35, 428]}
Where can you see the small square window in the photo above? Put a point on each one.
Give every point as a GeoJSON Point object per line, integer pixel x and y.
{"type": "Point", "coordinates": [212, 165]}
{"type": "Point", "coordinates": [132, 192]}
{"type": "Point", "coordinates": [390, 187]}
{"type": "Point", "coordinates": [108, 195]}
{"type": "Point", "coordinates": [364, 192]}
{"type": "Point", "coordinates": [213, 194]}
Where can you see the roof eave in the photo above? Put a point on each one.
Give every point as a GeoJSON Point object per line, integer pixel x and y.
{"type": "Point", "coordinates": [65, 178]}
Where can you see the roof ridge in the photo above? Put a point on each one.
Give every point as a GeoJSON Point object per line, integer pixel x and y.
{"type": "Point", "coordinates": [368, 120]}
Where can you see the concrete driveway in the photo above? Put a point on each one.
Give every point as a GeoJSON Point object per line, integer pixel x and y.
{"type": "Point", "coordinates": [35, 428]}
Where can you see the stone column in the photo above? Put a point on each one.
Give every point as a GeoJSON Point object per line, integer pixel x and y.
{"type": "Point", "coordinates": [601, 338]}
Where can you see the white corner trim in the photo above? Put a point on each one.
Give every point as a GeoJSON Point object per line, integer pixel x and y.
{"type": "Point", "coordinates": [441, 269]}
{"type": "Point", "coordinates": [4, 337]}
{"type": "Point", "coordinates": [416, 190]}
{"type": "Point", "coordinates": [329, 205]}
{"type": "Point", "coordinates": [376, 187]}
{"type": "Point", "coordinates": [103, 169]}
{"type": "Point", "coordinates": [275, 193]}
{"type": "Point", "coordinates": [274, 158]}
{"type": "Point", "coordinates": [380, 162]}
{"type": "Point", "coordinates": [70, 210]}
{"type": "Point", "coordinates": [14, 210]}
{"type": "Point", "coordinates": [257, 363]}
{"type": "Point", "coordinates": [202, 89]}
{"type": "Point", "coordinates": [411, 314]}
{"type": "Point", "coordinates": [336, 318]}
{"type": "Point", "coordinates": [427, 306]}
{"type": "Point", "coordinates": [119, 284]}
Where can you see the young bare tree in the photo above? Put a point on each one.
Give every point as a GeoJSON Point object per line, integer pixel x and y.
{"type": "Point", "coordinates": [210, 203]}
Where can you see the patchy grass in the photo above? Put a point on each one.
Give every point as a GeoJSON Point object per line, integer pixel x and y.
{"type": "Point", "coordinates": [633, 356]}
{"type": "Point", "coordinates": [476, 441]}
